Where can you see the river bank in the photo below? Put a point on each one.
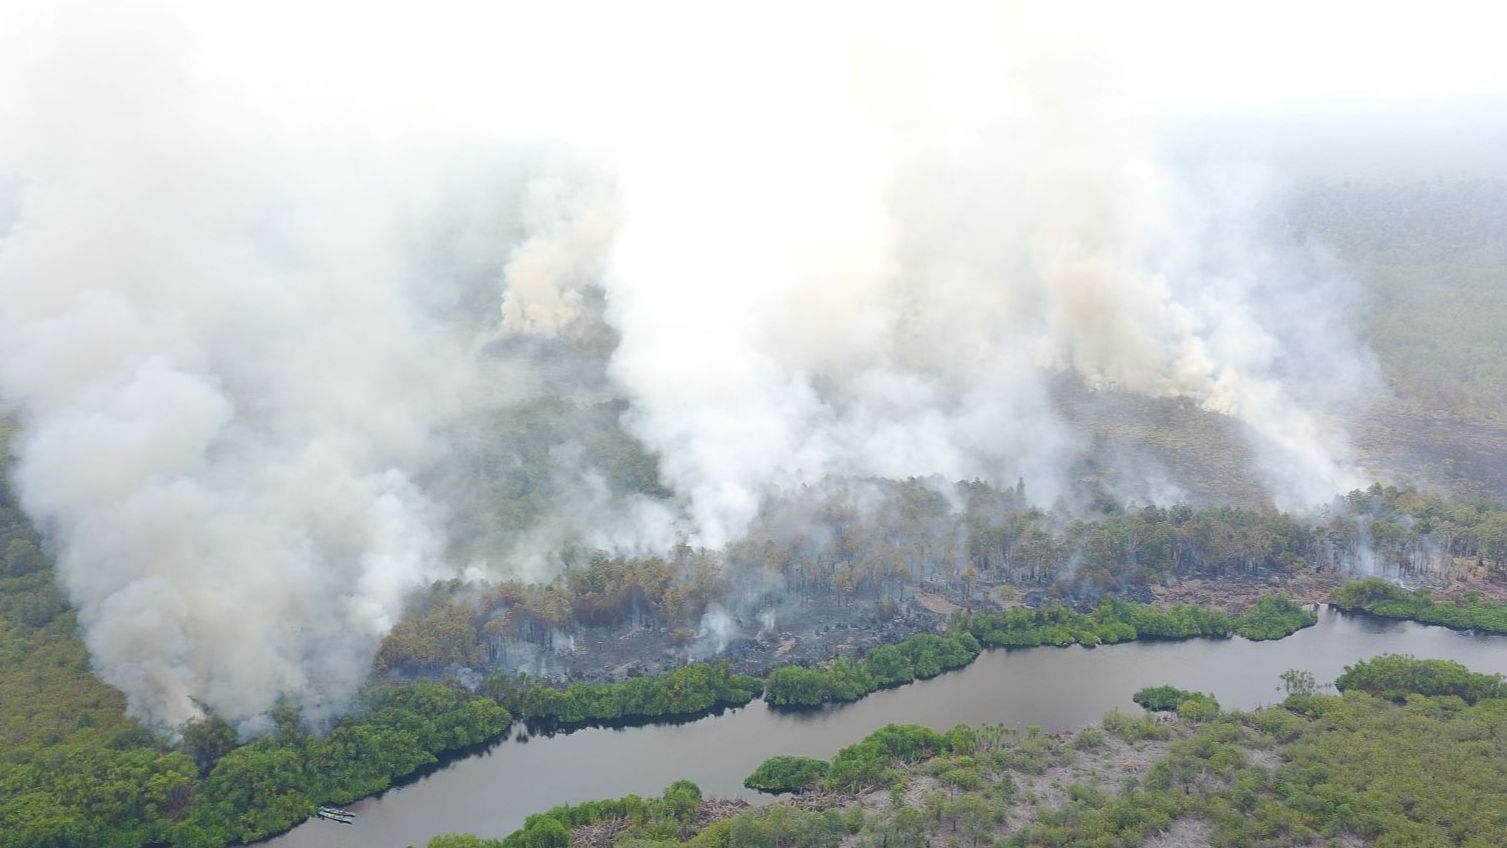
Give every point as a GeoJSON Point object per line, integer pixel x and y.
{"type": "Point", "coordinates": [490, 794]}
{"type": "Point", "coordinates": [692, 690]}
{"type": "Point", "coordinates": [1410, 765]}
{"type": "Point", "coordinates": [819, 628]}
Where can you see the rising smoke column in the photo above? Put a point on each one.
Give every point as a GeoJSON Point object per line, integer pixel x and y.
{"type": "Point", "coordinates": [858, 245]}
{"type": "Point", "coordinates": [572, 218]}
{"type": "Point", "coordinates": [868, 259]}
{"type": "Point", "coordinates": [223, 385]}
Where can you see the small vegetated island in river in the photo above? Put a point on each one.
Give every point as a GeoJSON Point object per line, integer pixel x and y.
{"type": "Point", "coordinates": [75, 770]}
{"type": "Point", "coordinates": [700, 688]}
{"type": "Point", "coordinates": [1408, 754]}
{"type": "Point", "coordinates": [534, 367]}
{"type": "Point", "coordinates": [110, 782]}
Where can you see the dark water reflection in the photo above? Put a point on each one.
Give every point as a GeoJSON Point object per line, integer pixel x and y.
{"type": "Point", "coordinates": [1055, 688]}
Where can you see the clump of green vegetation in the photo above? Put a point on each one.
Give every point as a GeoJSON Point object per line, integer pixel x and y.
{"type": "Point", "coordinates": [1395, 676]}
{"type": "Point", "coordinates": [1379, 597]}
{"type": "Point", "coordinates": [1368, 593]}
{"type": "Point", "coordinates": [668, 817]}
{"type": "Point", "coordinates": [1089, 740]}
{"type": "Point", "coordinates": [1196, 706]}
{"type": "Point", "coordinates": [1273, 617]}
{"type": "Point", "coordinates": [213, 791]}
{"type": "Point", "coordinates": [1134, 728]}
{"type": "Point", "coordinates": [1421, 774]}
{"type": "Point", "coordinates": [668, 821]}
{"type": "Point", "coordinates": [1425, 771]}
{"type": "Point", "coordinates": [1111, 622]}
{"type": "Point", "coordinates": [787, 774]}
{"type": "Point", "coordinates": [74, 770]}
{"type": "Point", "coordinates": [800, 686]}
{"type": "Point", "coordinates": [685, 691]}
{"type": "Point", "coordinates": [870, 763]}
{"type": "Point", "coordinates": [921, 656]}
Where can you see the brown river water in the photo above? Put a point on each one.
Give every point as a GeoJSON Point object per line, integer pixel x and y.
{"type": "Point", "coordinates": [491, 792]}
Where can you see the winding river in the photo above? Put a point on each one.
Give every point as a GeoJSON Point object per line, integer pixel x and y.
{"type": "Point", "coordinates": [491, 793]}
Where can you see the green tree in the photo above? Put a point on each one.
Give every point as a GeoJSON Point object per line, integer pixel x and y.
{"type": "Point", "coordinates": [787, 774]}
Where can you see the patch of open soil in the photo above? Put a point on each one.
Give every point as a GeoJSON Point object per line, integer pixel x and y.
{"type": "Point", "coordinates": [1184, 833]}
{"type": "Point", "coordinates": [936, 603]}
{"type": "Point", "coordinates": [1237, 595]}
{"type": "Point", "coordinates": [1105, 768]}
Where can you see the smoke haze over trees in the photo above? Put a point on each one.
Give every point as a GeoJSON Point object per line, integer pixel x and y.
{"type": "Point", "coordinates": [289, 332]}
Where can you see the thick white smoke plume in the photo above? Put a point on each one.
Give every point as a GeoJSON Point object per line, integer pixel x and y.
{"type": "Point", "coordinates": [222, 380]}
{"type": "Point", "coordinates": [857, 273]}
{"type": "Point", "coordinates": [571, 219]}
{"type": "Point", "coordinates": [241, 328]}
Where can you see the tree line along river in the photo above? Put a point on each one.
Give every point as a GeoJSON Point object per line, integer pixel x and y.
{"type": "Point", "coordinates": [492, 792]}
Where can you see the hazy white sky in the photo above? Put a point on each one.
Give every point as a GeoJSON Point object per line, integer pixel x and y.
{"type": "Point", "coordinates": [561, 63]}
{"type": "Point", "coordinates": [1292, 51]}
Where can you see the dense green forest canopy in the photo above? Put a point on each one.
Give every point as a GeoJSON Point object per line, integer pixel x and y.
{"type": "Point", "coordinates": [209, 790]}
